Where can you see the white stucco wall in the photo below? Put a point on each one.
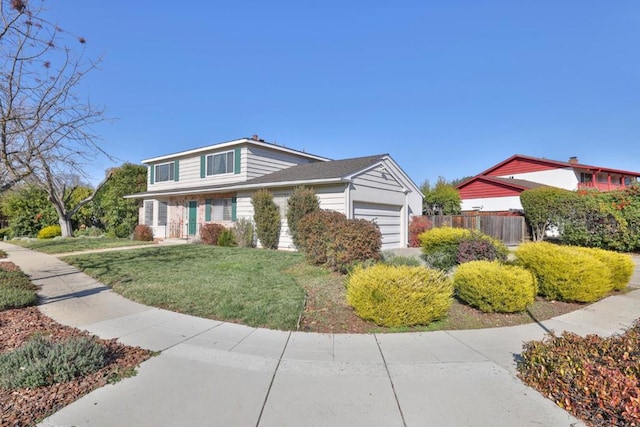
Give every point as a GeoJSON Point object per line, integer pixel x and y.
{"type": "Point", "coordinates": [561, 178]}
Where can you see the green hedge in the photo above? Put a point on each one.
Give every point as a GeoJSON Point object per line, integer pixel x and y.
{"type": "Point", "coordinates": [399, 295]}
{"type": "Point", "coordinates": [565, 273]}
{"type": "Point", "coordinates": [494, 287]}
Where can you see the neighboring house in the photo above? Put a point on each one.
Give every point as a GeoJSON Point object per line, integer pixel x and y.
{"type": "Point", "coordinates": [215, 183]}
{"type": "Point", "coordinates": [498, 188]}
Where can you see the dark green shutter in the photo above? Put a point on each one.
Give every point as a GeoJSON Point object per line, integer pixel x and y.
{"type": "Point", "coordinates": [234, 208]}
{"type": "Point", "coordinates": [207, 210]}
{"type": "Point", "coordinates": [236, 156]}
{"type": "Point", "coordinates": [176, 168]}
{"type": "Point", "coordinates": [152, 169]}
{"type": "Point", "coordinates": [203, 164]}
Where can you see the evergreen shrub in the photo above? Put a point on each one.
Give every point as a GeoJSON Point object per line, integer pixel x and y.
{"type": "Point", "coordinates": [399, 295]}
{"type": "Point", "coordinates": [494, 287]}
{"type": "Point", "coordinates": [49, 232]}
{"type": "Point", "coordinates": [353, 241]}
{"type": "Point", "coordinates": [565, 273]}
{"type": "Point", "coordinates": [210, 233]}
{"type": "Point", "coordinates": [620, 265]}
{"type": "Point", "coordinates": [267, 219]}
{"type": "Point", "coordinates": [227, 238]}
{"type": "Point", "coordinates": [301, 202]}
{"type": "Point", "coordinates": [314, 234]}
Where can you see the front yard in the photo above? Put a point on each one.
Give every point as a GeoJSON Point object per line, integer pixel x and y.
{"type": "Point", "coordinates": [272, 289]}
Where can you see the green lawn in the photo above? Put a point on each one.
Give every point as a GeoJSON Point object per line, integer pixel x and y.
{"type": "Point", "coordinates": [73, 244]}
{"type": "Point", "coordinates": [250, 286]}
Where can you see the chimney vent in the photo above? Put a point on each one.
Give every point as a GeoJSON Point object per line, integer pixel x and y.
{"type": "Point", "coordinates": [573, 160]}
{"type": "Point", "coordinates": [255, 138]}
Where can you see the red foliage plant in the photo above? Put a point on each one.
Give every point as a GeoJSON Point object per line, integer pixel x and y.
{"type": "Point", "coordinates": [417, 226]}
{"type": "Point", "coordinates": [210, 233]}
{"type": "Point", "coordinates": [143, 233]}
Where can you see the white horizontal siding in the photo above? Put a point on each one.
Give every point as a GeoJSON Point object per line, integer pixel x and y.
{"type": "Point", "coordinates": [261, 161]}
{"type": "Point", "coordinates": [189, 174]}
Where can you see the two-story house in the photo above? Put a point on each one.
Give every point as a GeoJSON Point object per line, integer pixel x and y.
{"type": "Point", "coordinates": [498, 188]}
{"type": "Point", "coordinates": [215, 184]}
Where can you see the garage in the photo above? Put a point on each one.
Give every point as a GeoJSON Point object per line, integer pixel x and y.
{"type": "Point", "coordinates": [388, 218]}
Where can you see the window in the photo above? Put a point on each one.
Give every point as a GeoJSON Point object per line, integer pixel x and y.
{"type": "Point", "coordinates": [165, 172]}
{"type": "Point", "coordinates": [218, 164]}
{"type": "Point", "coordinates": [221, 209]}
{"type": "Point", "coordinates": [148, 212]}
{"type": "Point", "coordinates": [586, 177]}
{"type": "Point", "coordinates": [162, 213]}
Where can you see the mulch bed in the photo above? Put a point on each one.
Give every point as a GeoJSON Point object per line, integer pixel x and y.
{"type": "Point", "coordinates": [24, 407]}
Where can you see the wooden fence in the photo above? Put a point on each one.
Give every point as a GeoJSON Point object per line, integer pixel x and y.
{"type": "Point", "coordinates": [510, 229]}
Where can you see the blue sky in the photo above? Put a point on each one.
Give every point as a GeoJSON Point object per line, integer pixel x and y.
{"type": "Point", "coordinates": [448, 88]}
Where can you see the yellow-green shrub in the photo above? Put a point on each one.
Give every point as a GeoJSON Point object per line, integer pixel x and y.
{"type": "Point", "coordinates": [495, 287]}
{"type": "Point", "coordinates": [442, 239]}
{"type": "Point", "coordinates": [50, 232]}
{"type": "Point", "coordinates": [620, 265]}
{"type": "Point", "coordinates": [399, 295]}
{"type": "Point", "coordinates": [565, 273]}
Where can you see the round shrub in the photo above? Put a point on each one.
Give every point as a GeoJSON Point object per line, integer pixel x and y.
{"type": "Point", "coordinates": [494, 287]}
{"type": "Point", "coordinates": [227, 238]}
{"type": "Point", "coordinates": [352, 241]}
{"type": "Point", "coordinates": [620, 265]}
{"type": "Point", "coordinates": [480, 247]}
{"type": "Point", "coordinates": [442, 239]}
{"type": "Point", "coordinates": [314, 235]}
{"type": "Point", "coordinates": [210, 233]}
{"type": "Point", "coordinates": [143, 233]}
{"type": "Point", "coordinates": [50, 232]}
{"type": "Point", "coordinates": [565, 273]}
{"type": "Point", "coordinates": [399, 295]}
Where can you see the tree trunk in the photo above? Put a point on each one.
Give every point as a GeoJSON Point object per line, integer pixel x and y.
{"type": "Point", "coordinates": [65, 226]}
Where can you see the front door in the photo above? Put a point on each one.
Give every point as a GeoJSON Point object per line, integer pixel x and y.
{"type": "Point", "coordinates": [193, 217]}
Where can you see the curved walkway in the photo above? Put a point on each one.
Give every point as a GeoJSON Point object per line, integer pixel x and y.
{"type": "Point", "coordinates": [212, 373]}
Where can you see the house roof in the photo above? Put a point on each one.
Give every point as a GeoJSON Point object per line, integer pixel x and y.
{"type": "Point", "coordinates": [559, 164]}
{"type": "Point", "coordinates": [253, 141]}
{"type": "Point", "coordinates": [517, 184]}
{"type": "Point", "coordinates": [310, 173]}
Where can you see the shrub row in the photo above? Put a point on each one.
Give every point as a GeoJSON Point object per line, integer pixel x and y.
{"type": "Point", "coordinates": [445, 247]}
{"type": "Point", "coordinates": [569, 273]}
{"type": "Point", "coordinates": [594, 378]}
{"type": "Point", "coordinates": [329, 238]}
{"type": "Point", "coordinates": [399, 295]}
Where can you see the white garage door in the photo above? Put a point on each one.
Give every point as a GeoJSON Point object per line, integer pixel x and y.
{"type": "Point", "coordinates": [388, 219]}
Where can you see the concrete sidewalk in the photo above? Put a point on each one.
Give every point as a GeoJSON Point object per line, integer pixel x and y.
{"type": "Point", "coordinates": [223, 374]}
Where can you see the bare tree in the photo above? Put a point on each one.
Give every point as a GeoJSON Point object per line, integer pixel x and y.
{"type": "Point", "coordinates": [45, 127]}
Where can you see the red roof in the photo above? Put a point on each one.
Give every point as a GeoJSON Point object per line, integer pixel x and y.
{"type": "Point", "coordinates": [558, 164]}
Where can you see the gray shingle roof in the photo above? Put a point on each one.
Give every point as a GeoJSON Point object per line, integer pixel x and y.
{"type": "Point", "coordinates": [318, 170]}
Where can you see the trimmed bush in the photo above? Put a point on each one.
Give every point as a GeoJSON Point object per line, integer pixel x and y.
{"type": "Point", "coordinates": [353, 241]}
{"type": "Point", "coordinates": [417, 226]}
{"type": "Point", "coordinates": [267, 218]}
{"type": "Point", "coordinates": [620, 265]}
{"type": "Point", "coordinates": [43, 362]}
{"type": "Point", "coordinates": [442, 239]}
{"type": "Point", "coordinates": [143, 233]}
{"type": "Point", "coordinates": [314, 234]}
{"type": "Point", "coordinates": [565, 273]}
{"type": "Point", "coordinates": [479, 247]}
{"type": "Point", "coordinates": [227, 238]}
{"type": "Point", "coordinates": [594, 378]}
{"type": "Point", "coordinates": [301, 202]}
{"type": "Point", "coordinates": [210, 233]}
{"type": "Point", "coordinates": [49, 232]}
{"type": "Point", "coordinates": [494, 287]}
{"type": "Point", "coordinates": [399, 296]}
{"type": "Point", "coordinates": [243, 230]}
